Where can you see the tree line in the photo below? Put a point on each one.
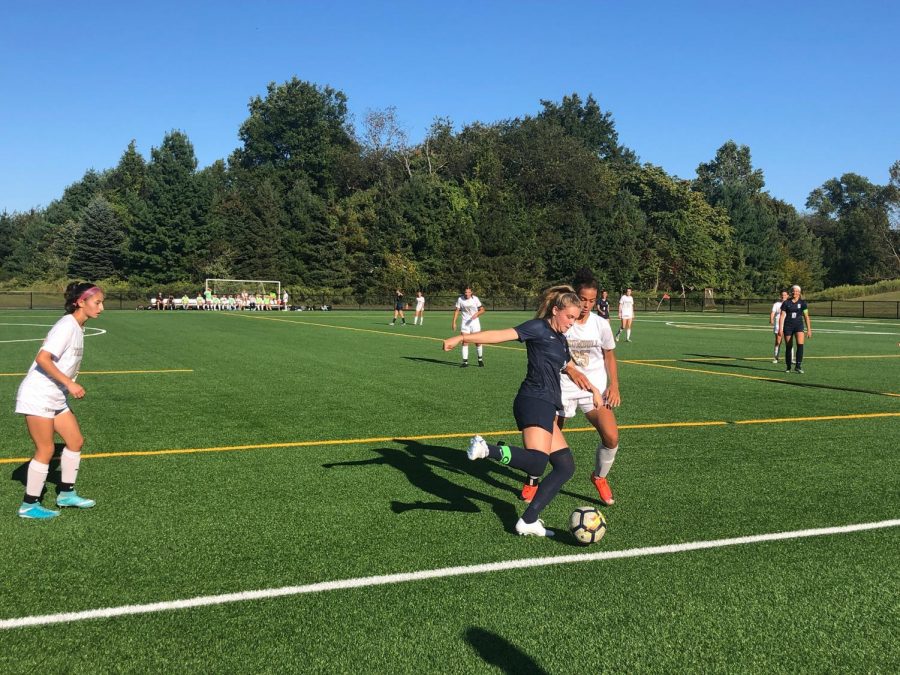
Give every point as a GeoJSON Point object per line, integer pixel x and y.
{"type": "Point", "coordinates": [509, 207]}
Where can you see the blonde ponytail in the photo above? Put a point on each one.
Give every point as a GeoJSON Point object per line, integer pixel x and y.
{"type": "Point", "coordinates": [559, 297]}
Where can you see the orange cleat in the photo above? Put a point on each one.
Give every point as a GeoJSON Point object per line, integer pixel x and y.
{"type": "Point", "coordinates": [528, 492]}
{"type": "Point", "coordinates": [603, 490]}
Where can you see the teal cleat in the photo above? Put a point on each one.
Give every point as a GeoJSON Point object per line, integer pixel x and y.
{"type": "Point", "coordinates": [36, 511]}
{"type": "Point", "coordinates": [71, 498]}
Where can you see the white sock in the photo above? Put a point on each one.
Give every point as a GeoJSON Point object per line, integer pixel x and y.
{"type": "Point", "coordinates": [777, 349]}
{"type": "Point", "coordinates": [605, 458]}
{"type": "Point", "coordinates": [465, 351]}
{"type": "Point", "coordinates": [480, 350]}
{"type": "Point", "coordinates": [68, 465]}
{"type": "Point", "coordinates": [37, 476]}
{"type": "Point", "coordinates": [628, 334]}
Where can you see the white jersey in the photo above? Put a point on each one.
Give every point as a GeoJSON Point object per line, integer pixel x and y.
{"type": "Point", "coordinates": [587, 342]}
{"type": "Point", "coordinates": [776, 312]}
{"type": "Point", "coordinates": [626, 307]}
{"type": "Point", "coordinates": [469, 307]}
{"type": "Point", "coordinates": [420, 303]}
{"type": "Point", "coordinates": [65, 343]}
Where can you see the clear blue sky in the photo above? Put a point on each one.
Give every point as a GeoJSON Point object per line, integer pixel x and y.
{"type": "Point", "coordinates": [811, 86]}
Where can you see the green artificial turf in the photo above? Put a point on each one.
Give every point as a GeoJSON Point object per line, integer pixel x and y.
{"type": "Point", "coordinates": [326, 489]}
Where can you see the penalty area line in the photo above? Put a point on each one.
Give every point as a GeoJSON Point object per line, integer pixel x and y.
{"type": "Point", "coordinates": [423, 575]}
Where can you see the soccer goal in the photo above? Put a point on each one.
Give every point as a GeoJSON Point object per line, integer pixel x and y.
{"type": "Point", "coordinates": [237, 287]}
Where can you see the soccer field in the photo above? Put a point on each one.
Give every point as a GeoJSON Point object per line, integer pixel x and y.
{"type": "Point", "coordinates": [290, 492]}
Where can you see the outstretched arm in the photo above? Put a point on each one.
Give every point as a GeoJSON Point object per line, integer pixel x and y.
{"type": "Point", "coordinates": [611, 396]}
{"type": "Point", "coordinates": [485, 337]}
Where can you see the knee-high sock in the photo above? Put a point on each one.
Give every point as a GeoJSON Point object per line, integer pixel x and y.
{"type": "Point", "coordinates": [799, 354]}
{"type": "Point", "coordinates": [37, 476]}
{"type": "Point", "coordinates": [465, 352]}
{"type": "Point", "coordinates": [68, 465]}
{"type": "Point", "coordinates": [480, 350]}
{"type": "Point", "coordinates": [788, 348]}
{"type": "Point", "coordinates": [533, 462]}
{"type": "Point", "coordinates": [604, 460]}
{"type": "Point", "coordinates": [563, 464]}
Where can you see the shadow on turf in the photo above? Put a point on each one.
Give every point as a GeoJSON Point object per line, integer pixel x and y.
{"type": "Point", "coordinates": [502, 653]}
{"type": "Point", "coordinates": [779, 370]}
{"type": "Point", "coordinates": [20, 473]}
{"type": "Point", "coordinates": [418, 461]}
{"type": "Point", "coordinates": [440, 362]}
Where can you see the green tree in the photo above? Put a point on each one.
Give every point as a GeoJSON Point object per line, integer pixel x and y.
{"type": "Point", "coordinates": [98, 248]}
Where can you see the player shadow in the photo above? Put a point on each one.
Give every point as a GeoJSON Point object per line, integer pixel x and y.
{"type": "Point", "coordinates": [501, 653]}
{"type": "Point", "coordinates": [792, 382]}
{"type": "Point", "coordinates": [439, 362]}
{"type": "Point", "coordinates": [418, 462]}
{"type": "Point", "coordinates": [20, 473]}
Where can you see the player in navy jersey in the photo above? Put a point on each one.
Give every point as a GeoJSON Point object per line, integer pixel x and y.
{"type": "Point", "coordinates": [538, 402]}
{"type": "Point", "coordinates": [794, 314]}
{"type": "Point", "coordinates": [399, 306]}
{"type": "Point", "coordinates": [603, 304]}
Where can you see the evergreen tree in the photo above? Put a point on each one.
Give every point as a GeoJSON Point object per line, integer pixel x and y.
{"type": "Point", "coordinates": [98, 249]}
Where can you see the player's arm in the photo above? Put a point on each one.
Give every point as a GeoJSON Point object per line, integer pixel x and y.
{"type": "Point", "coordinates": [781, 318]}
{"type": "Point", "coordinates": [479, 312]}
{"type": "Point", "coordinates": [611, 396]}
{"type": "Point", "coordinates": [772, 318]}
{"type": "Point", "coordinates": [808, 323]}
{"type": "Point", "coordinates": [581, 380]}
{"type": "Point", "coordinates": [455, 317]}
{"type": "Point", "coordinates": [45, 360]}
{"type": "Point", "coordinates": [485, 337]}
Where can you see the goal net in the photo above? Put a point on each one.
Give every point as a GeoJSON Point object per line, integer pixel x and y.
{"type": "Point", "coordinates": [240, 286]}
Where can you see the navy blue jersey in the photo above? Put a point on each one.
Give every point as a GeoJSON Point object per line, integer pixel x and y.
{"type": "Point", "coordinates": [603, 308]}
{"type": "Point", "coordinates": [793, 314]}
{"type": "Point", "coordinates": [548, 353]}
{"type": "Point", "coordinates": [398, 302]}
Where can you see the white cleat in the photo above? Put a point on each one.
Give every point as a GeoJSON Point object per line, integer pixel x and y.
{"type": "Point", "coordinates": [478, 449]}
{"type": "Point", "coordinates": [535, 529]}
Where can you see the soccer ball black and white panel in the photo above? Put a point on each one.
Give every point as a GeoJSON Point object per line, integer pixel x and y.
{"type": "Point", "coordinates": [587, 525]}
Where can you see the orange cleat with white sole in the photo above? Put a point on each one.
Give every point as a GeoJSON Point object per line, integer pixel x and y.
{"type": "Point", "coordinates": [528, 492]}
{"type": "Point", "coordinates": [603, 489]}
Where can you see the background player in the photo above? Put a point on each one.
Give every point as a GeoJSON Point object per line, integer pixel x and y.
{"type": "Point", "coordinates": [626, 315]}
{"type": "Point", "coordinates": [471, 309]}
{"type": "Point", "coordinates": [603, 304]}
{"type": "Point", "coordinates": [420, 309]}
{"type": "Point", "coordinates": [399, 306]}
{"type": "Point", "coordinates": [42, 400]}
{"type": "Point", "coordinates": [592, 346]}
{"type": "Point", "coordinates": [775, 322]}
{"type": "Point", "coordinates": [794, 313]}
{"type": "Point", "coordinates": [538, 402]}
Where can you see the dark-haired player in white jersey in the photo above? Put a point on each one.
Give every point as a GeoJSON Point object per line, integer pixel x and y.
{"type": "Point", "coordinates": [794, 314]}
{"type": "Point", "coordinates": [42, 399]}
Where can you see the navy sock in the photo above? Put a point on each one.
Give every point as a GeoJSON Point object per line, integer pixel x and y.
{"type": "Point", "coordinates": [563, 464]}
{"type": "Point", "coordinates": [789, 348]}
{"type": "Point", "coordinates": [532, 462]}
{"type": "Point", "coordinates": [799, 355]}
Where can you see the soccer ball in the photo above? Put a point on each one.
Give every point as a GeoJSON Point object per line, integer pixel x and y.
{"type": "Point", "coordinates": [587, 524]}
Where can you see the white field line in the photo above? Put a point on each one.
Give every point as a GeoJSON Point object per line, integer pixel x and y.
{"type": "Point", "coordinates": [382, 580]}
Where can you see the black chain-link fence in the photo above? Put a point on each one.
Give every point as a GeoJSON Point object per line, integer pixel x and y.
{"type": "Point", "coordinates": [882, 309]}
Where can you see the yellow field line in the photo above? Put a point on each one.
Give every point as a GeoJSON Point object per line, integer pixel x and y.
{"type": "Point", "coordinates": [428, 437]}
{"type": "Point", "coordinates": [713, 359]}
{"type": "Point", "coordinates": [362, 330]}
{"type": "Point", "coordinates": [116, 372]}
{"type": "Point", "coordinates": [745, 377]}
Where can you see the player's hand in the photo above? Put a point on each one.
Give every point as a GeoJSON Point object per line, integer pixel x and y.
{"type": "Point", "coordinates": [612, 398]}
{"type": "Point", "coordinates": [76, 390]}
{"type": "Point", "coordinates": [450, 343]}
{"type": "Point", "coordinates": [580, 379]}
{"type": "Point", "coordinates": [809, 334]}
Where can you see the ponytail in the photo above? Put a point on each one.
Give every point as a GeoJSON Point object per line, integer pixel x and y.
{"type": "Point", "coordinates": [559, 297]}
{"type": "Point", "coordinates": [77, 291]}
